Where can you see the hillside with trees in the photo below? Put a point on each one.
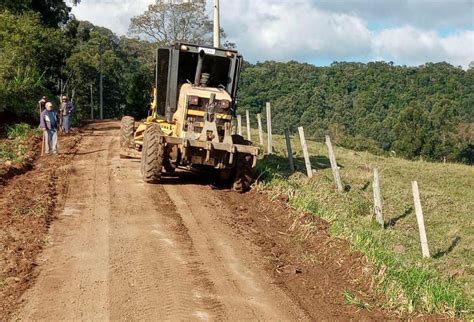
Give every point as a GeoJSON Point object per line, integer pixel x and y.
{"type": "Point", "coordinates": [425, 111]}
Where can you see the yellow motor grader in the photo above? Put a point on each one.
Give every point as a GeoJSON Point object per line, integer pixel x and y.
{"type": "Point", "coordinates": [190, 122]}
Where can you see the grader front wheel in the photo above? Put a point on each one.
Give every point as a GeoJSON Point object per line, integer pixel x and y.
{"type": "Point", "coordinates": [152, 153]}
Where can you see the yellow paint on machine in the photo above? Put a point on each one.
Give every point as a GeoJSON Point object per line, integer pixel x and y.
{"type": "Point", "coordinates": [202, 113]}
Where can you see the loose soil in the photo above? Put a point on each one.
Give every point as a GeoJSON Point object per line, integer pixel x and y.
{"type": "Point", "coordinates": [30, 192]}
{"type": "Point", "coordinates": [180, 250]}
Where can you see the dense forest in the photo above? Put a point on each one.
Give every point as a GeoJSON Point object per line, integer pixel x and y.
{"type": "Point", "coordinates": [425, 111]}
{"type": "Point", "coordinates": [44, 50]}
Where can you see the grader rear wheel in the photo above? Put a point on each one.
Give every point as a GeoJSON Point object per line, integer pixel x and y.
{"type": "Point", "coordinates": [152, 154]}
{"type": "Point", "coordinates": [126, 132]}
{"type": "Point", "coordinates": [243, 173]}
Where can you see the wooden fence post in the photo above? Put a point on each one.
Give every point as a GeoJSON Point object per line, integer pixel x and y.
{"type": "Point", "coordinates": [290, 150]}
{"type": "Point", "coordinates": [239, 124]}
{"type": "Point", "coordinates": [335, 169]}
{"type": "Point", "coordinates": [247, 116]}
{"type": "Point", "coordinates": [307, 162]}
{"type": "Point", "coordinates": [419, 218]}
{"type": "Point", "coordinates": [269, 128]}
{"type": "Point", "coordinates": [260, 131]}
{"type": "Point", "coordinates": [377, 198]}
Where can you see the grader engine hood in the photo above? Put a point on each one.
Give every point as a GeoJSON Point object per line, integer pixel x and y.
{"type": "Point", "coordinates": [203, 113]}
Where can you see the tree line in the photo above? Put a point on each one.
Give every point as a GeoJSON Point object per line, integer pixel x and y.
{"type": "Point", "coordinates": [425, 111]}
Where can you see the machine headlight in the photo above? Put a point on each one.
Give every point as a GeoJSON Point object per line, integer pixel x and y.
{"type": "Point", "coordinates": [193, 100]}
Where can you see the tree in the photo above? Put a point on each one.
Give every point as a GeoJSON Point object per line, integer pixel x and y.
{"type": "Point", "coordinates": [127, 69]}
{"type": "Point", "coordinates": [53, 12]}
{"type": "Point", "coordinates": [28, 64]}
{"type": "Point", "coordinates": [167, 22]}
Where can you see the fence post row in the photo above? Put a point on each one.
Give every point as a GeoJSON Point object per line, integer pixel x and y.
{"type": "Point", "coordinates": [269, 128]}
{"type": "Point", "coordinates": [307, 162]}
{"type": "Point", "coordinates": [239, 124]}
{"type": "Point", "coordinates": [377, 198]}
{"type": "Point", "coordinates": [290, 150]}
{"type": "Point", "coordinates": [260, 131]}
{"type": "Point", "coordinates": [419, 218]}
{"type": "Point", "coordinates": [335, 169]}
{"type": "Point", "coordinates": [247, 116]}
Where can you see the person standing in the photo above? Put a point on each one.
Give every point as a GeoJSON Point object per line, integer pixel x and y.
{"type": "Point", "coordinates": [49, 124]}
{"type": "Point", "coordinates": [65, 110]}
{"type": "Point", "coordinates": [41, 104]}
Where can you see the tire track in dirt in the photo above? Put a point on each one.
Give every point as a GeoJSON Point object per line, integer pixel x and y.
{"type": "Point", "coordinates": [246, 293]}
{"type": "Point", "coordinates": [75, 265]}
{"type": "Point", "coordinates": [150, 252]}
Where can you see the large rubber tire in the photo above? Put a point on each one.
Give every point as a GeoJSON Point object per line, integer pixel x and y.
{"type": "Point", "coordinates": [127, 127]}
{"type": "Point", "coordinates": [243, 176]}
{"type": "Point", "coordinates": [152, 154]}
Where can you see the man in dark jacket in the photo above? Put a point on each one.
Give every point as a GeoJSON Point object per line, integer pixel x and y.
{"type": "Point", "coordinates": [66, 109]}
{"type": "Point", "coordinates": [49, 124]}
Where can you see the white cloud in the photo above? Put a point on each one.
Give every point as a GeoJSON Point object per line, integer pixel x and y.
{"type": "Point", "coordinates": [295, 31]}
{"type": "Point", "coordinates": [309, 30]}
{"type": "Point", "coordinates": [300, 30]}
{"type": "Point", "coordinates": [424, 14]}
{"type": "Point", "coordinates": [416, 46]}
{"type": "Point", "coordinates": [112, 14]}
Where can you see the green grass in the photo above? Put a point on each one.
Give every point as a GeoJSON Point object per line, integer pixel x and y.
{"type": "Point", "coordinates": [18, 131]}
{"type": "Point", "coordinates": [15, 147]}
{"type": "Point", "coordinates": [352, 299]}
{"type": "Point", "coordinates": [443, 283]}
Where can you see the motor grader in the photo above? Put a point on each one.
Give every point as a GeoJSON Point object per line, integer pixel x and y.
{"type": "Point", "coordinates": [190, 122]}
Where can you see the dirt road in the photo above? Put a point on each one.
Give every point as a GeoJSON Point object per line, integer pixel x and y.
{"type": "Point", "coordinates": [122, 249]}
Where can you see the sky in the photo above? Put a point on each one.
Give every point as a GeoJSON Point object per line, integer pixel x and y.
{"type": "Point", "coordinates": [407, 32]}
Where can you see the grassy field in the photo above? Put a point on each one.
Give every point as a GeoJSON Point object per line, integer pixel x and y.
{"type": "Point", "coordinates": [443, 283]}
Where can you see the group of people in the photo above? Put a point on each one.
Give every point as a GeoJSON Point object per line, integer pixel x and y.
{"type": "Point", "coordinates": [51, 122]}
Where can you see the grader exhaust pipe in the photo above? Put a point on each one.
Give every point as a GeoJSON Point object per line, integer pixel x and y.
{"type": "Point", "coordinates": [197, 77]}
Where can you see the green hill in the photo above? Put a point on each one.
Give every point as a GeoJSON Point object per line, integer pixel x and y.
{"type": "Point", "coordinates": [423, 111]}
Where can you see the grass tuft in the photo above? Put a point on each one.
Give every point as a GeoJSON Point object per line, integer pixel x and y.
{"type": "Point", "coordinates": [352, 299]}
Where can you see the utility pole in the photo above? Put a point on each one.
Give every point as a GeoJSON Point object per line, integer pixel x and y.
{"type": "Point", "coordinates": [101, 91]}
{"type": "Point", "coordinates": [217, 27]}
{"type": "Point", "coordinates": [101, 81]}
{"type": "Point", "coordinates": [92, 105]}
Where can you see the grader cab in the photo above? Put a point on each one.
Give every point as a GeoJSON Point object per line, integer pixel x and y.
{"type": "Point", "coordinates": [191, 116]}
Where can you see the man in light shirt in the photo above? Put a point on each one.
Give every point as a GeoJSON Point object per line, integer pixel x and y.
{"type": "Point", "coordinates": [49, 123]}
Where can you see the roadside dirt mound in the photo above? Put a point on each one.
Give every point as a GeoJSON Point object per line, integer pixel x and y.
{"type": "Point", "coordinates": [308, 263]}
{"type": "Point", "coordinates": [29, 195]}
{"type": "Point", "coordinates": [9, 170]}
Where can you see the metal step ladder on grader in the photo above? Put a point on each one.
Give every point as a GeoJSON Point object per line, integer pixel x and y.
{"type": "Point", "coordinates": [190, 123]}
